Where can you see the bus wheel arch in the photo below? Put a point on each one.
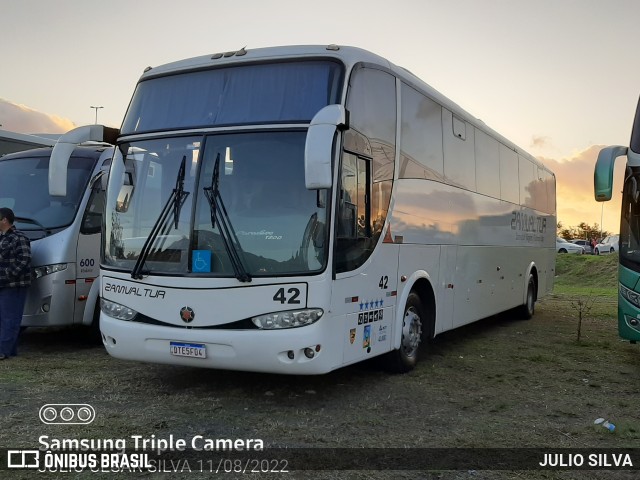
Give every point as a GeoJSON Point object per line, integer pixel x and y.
{"type": "Point", "coordinates": [416, 325]}
{"type": "Point", "coordinates": [423, 288]}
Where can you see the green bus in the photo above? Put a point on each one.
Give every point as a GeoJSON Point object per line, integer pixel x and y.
{"type": "Point", "coordinates": [629, 246]}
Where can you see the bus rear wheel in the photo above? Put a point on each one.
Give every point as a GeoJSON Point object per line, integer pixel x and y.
{"type": "Point", "coordinates": [406, 357]}
{"type": "Point", "coordinates": [528, 309]}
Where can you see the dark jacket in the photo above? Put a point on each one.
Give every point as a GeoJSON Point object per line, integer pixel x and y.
{"type": "Point", "coordinates": [15, 259]}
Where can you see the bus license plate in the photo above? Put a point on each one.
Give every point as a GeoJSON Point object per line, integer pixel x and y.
{"type": "Point", "coordinates": [194, 350]}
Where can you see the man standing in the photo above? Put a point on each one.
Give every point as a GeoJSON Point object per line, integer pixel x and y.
{"type": "Point", "coordinates": [15, 278]}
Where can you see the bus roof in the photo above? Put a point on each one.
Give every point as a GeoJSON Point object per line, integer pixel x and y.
{"type": "Point", "coordinates": [349, 56]}
{"type": "Point", "coordinates": [89, 151]}
{"type": "Point", "coordinates": [14, 142]}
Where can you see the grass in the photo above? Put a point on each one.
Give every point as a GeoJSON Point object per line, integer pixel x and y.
{"type": "Point", "coordinates": [586, 274]}
{"type": "Point", "coordinates": [500, 382]}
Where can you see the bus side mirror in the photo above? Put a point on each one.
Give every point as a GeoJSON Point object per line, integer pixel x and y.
{"type": "Point", "coordinates": [318, 148]}
{"type": "Point", "coordinates": [603, 174]}
{"type": "Point", "coordinates": [65, 146]}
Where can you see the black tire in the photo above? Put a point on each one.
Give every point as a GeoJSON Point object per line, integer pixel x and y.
{"type": "Point", "coordinates": [528, 309]}
{"type": "Point", "coordinates": [94, 329]}
{"type": "Point", "coordinates": [406, 357]}
{"type": "Point", "coordinates": [612, 250]}
{"type": "Point", "coordinates": [562, 250]}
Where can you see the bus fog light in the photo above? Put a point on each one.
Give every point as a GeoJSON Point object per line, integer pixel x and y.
{"type": "Point", "coordinates": [291, 355]}
{"type": "Point", "coordinates": [45, 307]}
{"type": "Point", "coordinates": [116, 310]}
{"type": "Point", "coordinates": [288, 319]}
{"type": "Point", "coordinates": [309, 352]}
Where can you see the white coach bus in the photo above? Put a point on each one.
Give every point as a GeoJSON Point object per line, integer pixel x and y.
{"type": "Point", "coordinates": [64, 231]}
{"type": "Point", "coordinates": [299, 209]}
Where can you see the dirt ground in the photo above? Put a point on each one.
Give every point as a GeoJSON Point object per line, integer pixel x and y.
{"type": "Point", "coordinates": [499, 383]}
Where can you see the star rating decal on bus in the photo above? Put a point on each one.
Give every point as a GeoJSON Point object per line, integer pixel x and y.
{"type": "Point", "coordinates": [372, 304]}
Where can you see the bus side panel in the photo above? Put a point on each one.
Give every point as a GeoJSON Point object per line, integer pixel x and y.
{"type": "Point", "coordinates": [367, 299]}
{"type": "Point", "coordinates": [445, 293]}
{"type": "Point", "coordinates": [494, 242]}
{"type": "Point", "coordinates": [491, 281]}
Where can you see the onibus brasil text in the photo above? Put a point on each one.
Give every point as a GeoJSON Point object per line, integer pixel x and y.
{"type": "Point", "coordinates": [132, 454]}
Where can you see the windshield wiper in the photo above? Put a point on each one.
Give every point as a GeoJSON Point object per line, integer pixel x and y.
{"type": "Point", "coordinates": [33, 222]}
{"type": "Point", "coordinates": [176, 200]}
{"type": "Point", "coordinates": [46, 231]}
{"type": "Point", "coordinates": [228, 234]}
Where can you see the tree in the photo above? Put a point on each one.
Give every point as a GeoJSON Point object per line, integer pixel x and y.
{"type": "Point", "coordinates": [583, 230]}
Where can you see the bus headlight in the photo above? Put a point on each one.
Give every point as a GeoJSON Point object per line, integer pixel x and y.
{"type": "Point", "coordinates": [48, 270]}
{"type": "Point", "coordinates": [288, 319]}
{"type": "Point", "coordinates": [117, 310]}
{"type": "Point", "coordinates": [629, 295]}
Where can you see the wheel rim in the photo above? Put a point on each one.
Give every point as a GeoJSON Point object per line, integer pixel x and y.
{"type": "Point", "coordinates": [411, 332]}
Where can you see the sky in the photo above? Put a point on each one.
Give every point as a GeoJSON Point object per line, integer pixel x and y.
{"type": "Point", "coordinates": [559, 78]}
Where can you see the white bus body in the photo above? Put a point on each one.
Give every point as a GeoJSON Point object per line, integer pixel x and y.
{"type": "Point", "coordinates": [64, 231]}
{"type": "Point", "coordinates": [298, 209]}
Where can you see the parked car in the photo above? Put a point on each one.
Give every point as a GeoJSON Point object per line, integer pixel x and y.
{"type": "Point", "coordinates": [562, 246]}
{"type": "Point", "coordinates": [608, 245]}
{"type": "Point", "coordinates": [586, 244]}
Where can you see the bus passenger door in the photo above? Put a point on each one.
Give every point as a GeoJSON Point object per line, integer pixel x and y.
{"type": "Point", "coordinates": [364, 291]}
{"type": "Point", "coordinates": [88, 250]}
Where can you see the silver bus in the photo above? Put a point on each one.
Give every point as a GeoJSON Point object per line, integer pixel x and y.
{"type": "Point", "coordinates": [64, 231]}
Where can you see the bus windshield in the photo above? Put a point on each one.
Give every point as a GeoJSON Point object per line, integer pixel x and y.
{"type": "Point", "coordinates": [286, 92]}
{"type": "Point", "coordinates": [24, 188]}
{"type": "Point", "coordinates": [630, 220]}
{"type": "Point", "coordinates": [275, 225]}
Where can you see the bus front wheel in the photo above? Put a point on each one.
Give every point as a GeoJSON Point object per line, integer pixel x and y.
{"type": "Point", "coordinates": [406, 357]}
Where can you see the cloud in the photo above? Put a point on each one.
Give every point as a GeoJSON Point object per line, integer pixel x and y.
{"type": "Point", "coordinates": [22, 119]}
{"type": "Point", "coordinates": [539, 141]}
{"type": "Point", "coordinates": [574, 190]}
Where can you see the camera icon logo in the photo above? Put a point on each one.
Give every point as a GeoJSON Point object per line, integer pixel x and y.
{"type": "Point", "coordinates": [67, 414]}
{"type": "Point", "coordinates": [23, 459]}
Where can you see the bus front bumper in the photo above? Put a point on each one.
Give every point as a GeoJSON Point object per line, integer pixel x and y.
{"type": "Point", "coordinates": [247, 350]}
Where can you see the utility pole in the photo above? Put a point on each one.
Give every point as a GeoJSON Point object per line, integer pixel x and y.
{"type": "Point", "coordinates": [601, 215]}
{"type": "Point", "coordinates": [96, 108]}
